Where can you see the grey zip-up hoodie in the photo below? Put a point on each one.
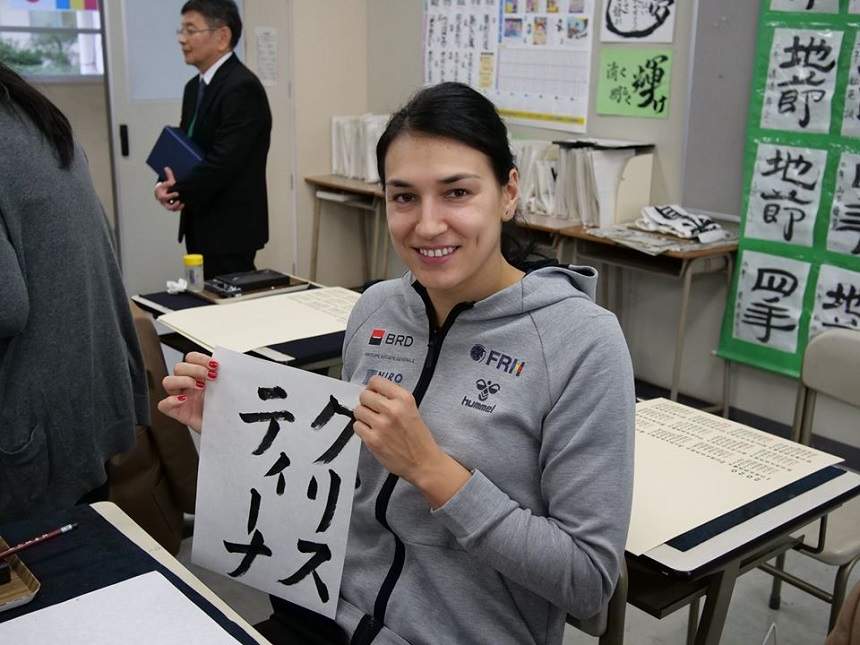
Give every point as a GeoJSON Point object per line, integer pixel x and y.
{"type": "Point", "coordinates": [532, 390]}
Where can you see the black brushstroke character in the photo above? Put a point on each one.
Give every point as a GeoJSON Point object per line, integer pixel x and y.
{"type": "Point", "coordinates": [321, 554]}
{"type": "Point", "coordinates": [331, 502]}
{"type": "Point", "coordinates": [771, 216]}
{"type": "Point", "coordinates": [844, 300]}
{"type": "Point", "coordinates": [334, 407]}
{"type": "Point", "coordinates": [658, 9]}
{"type": "Point", "coordinates": [256, 547]}
{"type": "Point", "coordinates": [849, 221]}
{"type": "Point", "coordinates": [278, 469]}
{"type": "Point", "coordinates": [768, 317]}
{"type": "Point", "coordinates": [265, 394]}
{"type": "Point", "coordinates": [798, 165]}
{"type": "Point", "coordinates": [648, 80]}
{"type": "Point", "coordinates": [766, 313]}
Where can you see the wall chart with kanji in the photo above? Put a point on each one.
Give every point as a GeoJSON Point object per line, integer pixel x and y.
{"type": "Point", "coordinates": [798, 269]}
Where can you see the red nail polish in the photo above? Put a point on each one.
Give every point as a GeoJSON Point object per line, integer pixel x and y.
{"type": "Point", "coordinates": [212, 373]}
{"type": "Point", "coordinates": [200, 384]}
{"type": "Point", "coordinates": [213, 363]}
{"type": "Point", "coordinates": [182, 397]}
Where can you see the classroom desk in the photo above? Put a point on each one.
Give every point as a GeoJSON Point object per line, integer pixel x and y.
{"type": "Point", "coordinates": [313, 353]}
{"type": "Point", "coordinates": [677, 265]}
{"type": "Point", "coordinates": [707, 560]}
{"type": "Point", "coordinates": [50, 557]}
{"type": "Point", "coordinates": [368, 198]}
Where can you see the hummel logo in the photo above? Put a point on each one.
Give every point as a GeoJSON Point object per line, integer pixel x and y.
{"type": "Point", "coordinates": [486, 388]}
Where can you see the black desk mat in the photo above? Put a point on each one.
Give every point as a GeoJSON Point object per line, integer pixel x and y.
{"type": "Point", "coordinates": [94, 556]}
{"type": "Point", "coordinates": [303, 350]}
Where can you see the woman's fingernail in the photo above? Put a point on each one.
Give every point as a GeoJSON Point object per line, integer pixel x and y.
{"type": "Point", "coordinates": [182, 397]}
{"type": "Point", "coordinates": [201, 384]}
{"type": "Point", "coordinates": [212, 373]}
{"type": "Point", "coordinates": [213, 364]}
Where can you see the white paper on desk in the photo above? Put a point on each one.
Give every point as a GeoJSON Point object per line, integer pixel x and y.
{"type": "Point", "coordinates": [243, 326]}
{"type": "Point", "coordinates": [139, 611]}
{"type": "Point", "coordinates": [691, 467]}
{"type": "Point", "coordinates": [268, 477]}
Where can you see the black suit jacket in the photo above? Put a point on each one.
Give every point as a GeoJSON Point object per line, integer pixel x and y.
{"type": "Point", "coordinates": [226, 207]}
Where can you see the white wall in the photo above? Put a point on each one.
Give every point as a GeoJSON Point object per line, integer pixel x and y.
{"type": "Point", "coordinates": [650, 303]}
{"type": "Point", "coordinates": [330, 63]}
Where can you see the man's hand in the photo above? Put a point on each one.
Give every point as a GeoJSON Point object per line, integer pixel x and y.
{"type": "Point", "coordinates": [165, 195]}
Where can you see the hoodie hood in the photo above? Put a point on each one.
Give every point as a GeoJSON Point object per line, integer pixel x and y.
{"type": "Point", "coordinates": [538, 289]}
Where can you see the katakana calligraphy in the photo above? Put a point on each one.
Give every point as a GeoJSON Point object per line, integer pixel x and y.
{"type": "Point", "coordinates": [274, 428]}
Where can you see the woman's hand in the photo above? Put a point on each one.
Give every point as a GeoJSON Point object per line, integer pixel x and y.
{"type": "Point", "coordinates": [388, 422]}
{"type": "Point", "coordinates": [186, 388]}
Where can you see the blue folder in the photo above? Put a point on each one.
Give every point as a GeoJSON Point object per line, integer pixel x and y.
{"type": "Point", "coordinates": [175, 150]}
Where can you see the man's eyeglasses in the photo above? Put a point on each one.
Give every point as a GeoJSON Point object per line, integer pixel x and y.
{"type": "Point", "coordinates": [191, 31]}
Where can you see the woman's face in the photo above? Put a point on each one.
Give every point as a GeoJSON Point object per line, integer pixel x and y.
{"type": "Point", "coordinates": [445, 209]}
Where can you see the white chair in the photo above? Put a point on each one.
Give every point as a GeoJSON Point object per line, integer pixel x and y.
{"type": "Point", "coordinates": [831, 366]}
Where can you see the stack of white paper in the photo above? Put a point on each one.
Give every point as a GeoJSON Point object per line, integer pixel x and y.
{"type": "Point", "coordinates": [537, 183]}
{"type": "Point", "coordinates": [138, 611]}
{"type": "Point", "coordinates": [587, 184]}
{"type": "Point", "coordinates": [353, 145]}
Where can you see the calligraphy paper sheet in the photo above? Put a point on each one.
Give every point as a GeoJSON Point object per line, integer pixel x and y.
{"type": "Point", "coordinates": [692, 467]}
{"type": "Point", "coordinates": [278, 463]}
{"type": "Point", "coordinates": [837, 300]}
{"type": "Point", "coordinates": [139, 611]}
{"type": "Point", "coordinates": [769, 300]}
{"type": "Point", "coordinates": [243, 326]}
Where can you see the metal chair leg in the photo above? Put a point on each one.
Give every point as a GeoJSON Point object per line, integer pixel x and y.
{"type": "Point", "coordinates": [693, 621]}
{"type": "Point", "coordinates": [839, 588]}
{"type": "Point", "coordinates": [776, 586]}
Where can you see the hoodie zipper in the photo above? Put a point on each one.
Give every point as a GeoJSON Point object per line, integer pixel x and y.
{"type": "Point", "coordinates": [370, 626]}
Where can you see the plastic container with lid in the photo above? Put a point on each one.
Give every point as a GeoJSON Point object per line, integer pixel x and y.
{"type": "Point", "coordinates": [193, 271]}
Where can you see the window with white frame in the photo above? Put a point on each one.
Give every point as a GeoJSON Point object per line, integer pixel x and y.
{"type": "Point", "coordinates": [59, 39]}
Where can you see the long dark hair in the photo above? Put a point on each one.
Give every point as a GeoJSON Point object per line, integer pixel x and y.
{"type": "Point", "coordinates": [44, 114]}
{"type": "Point", "coordinates": [455, 111]}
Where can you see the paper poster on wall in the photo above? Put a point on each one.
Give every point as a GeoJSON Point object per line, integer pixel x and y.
{"type": "Point", "coordinates": [634, 82]}
{"type": "Point", "coordinates": [837, 300]}
{"type": "Point", "coordinates": [267, 55]}
{"type": "Point", "coordinates": [544, 63]}
{"type": "Point", "coordinates": [640, 21]}
{"type": "Point", "coordinates": [785, 193]}
{"type": "Point", "coordinates": [851, 114]}
{"type": "Point", "coordinates": [460, 41]}
{"type": "Point", "coordinates": [843, 233]}
{"type": "Point", "coordinates": [801, 79]}
{"type": "Point", "coordinates": [275, 486]}
{"type": "Point", "coordinates": [54, 5]}
{"type": "Point", "coordinates": [811, 6]}
{"type": "Point", "coordinates": [769, 300]}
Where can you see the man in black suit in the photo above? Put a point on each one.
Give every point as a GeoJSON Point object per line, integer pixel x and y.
{"type": "Point", "coordinates": [225, 111]}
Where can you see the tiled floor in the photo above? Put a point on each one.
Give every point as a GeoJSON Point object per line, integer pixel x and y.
{"type": "Point", "coordinates": [802, 620]}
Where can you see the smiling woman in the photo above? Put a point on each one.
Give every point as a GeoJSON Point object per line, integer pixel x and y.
{"type": "Point", "coordinates": [495, 476]}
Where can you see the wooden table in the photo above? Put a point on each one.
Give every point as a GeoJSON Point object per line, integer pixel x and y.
{"type": "Point", "coordinates": [368, 198]}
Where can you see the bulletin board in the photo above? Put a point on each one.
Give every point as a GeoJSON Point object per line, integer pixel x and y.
{"type": "Point", "coordinates": [532, 58]}
{"type": "Point", "coordinates": [798, 267]}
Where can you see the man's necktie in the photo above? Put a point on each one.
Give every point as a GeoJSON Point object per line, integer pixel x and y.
{"type": "Point", "coordinates": [201, 89]}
